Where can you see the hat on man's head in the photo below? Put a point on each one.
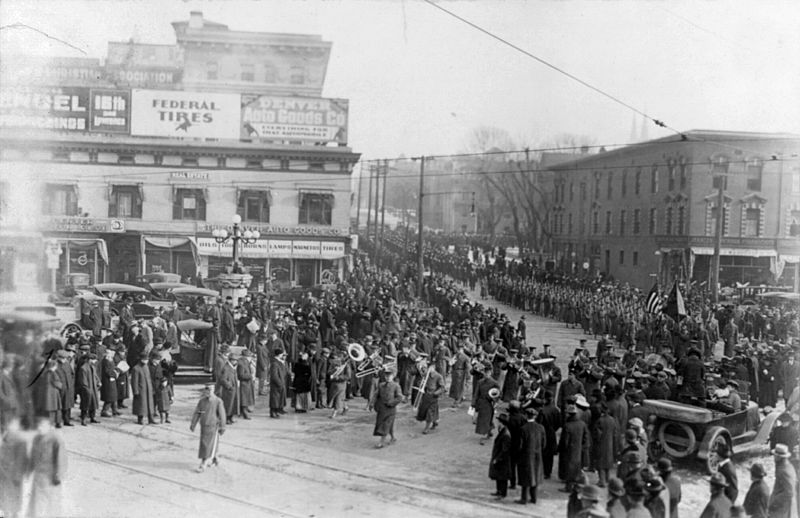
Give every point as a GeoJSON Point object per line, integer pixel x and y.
{"type": "Point", "coordinates": [615, 487]}
{"type": "Point", "coordinates": [757, 471]}
{"type": "Point", "coordinates": [781, 450]}
{"type": "Point", "coordinates": [717, 479]}
{"type": "Point", "coordinates": [664, 465]}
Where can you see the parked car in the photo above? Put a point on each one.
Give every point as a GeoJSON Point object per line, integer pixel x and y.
{"type": "Point", "coordinates": [117, 292]}
{"type": "Point", "coordinates": [71, 285]}
{"type": "Point", "coordinates": [83, 305]}
{"type": "Point", "coordinates": [162, 291]}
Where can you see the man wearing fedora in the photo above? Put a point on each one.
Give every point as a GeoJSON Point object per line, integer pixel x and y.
{"type": "Point", "coordinates": [635, 494]}
{"type": "Point", "coordinates": [656, 501]}
{"type": "Point", "coordinates": [590, 501]}
{"type": "Point", "coordinates": [719, 506]}
{"type": "Point", "coordinates": [573, 448]}
{"type": "Point", "coordinates": [244, 375]}
{"type": "Point", "coordinates": [756, 501]}
{"type": "Point", "coordinates": [530, 468]}
{"type": "Point", "coordinates": [783, 500]}
{"type": "Point", "coordinates": [501, 465]}
{"type": "Point", "coordinates": [727, 469]}
{"type": "Point", "coordinates": [673, 483]}
{"type": "Point", "coordinates": [614, 506]}
{"type": "Point", "coordinates": [210, 414]}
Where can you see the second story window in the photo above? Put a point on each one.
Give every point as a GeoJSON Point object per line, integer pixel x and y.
{"type": "Point", "coordinates": [297, 76]}
{"type": "Point", "coordinates": [754, 170]}
{"type": "Point", "coordinates": [270, 73]}
{"type": "Point", "coordinates": [596, 186]}
{"type": "Point", "coordinates": [608, 222]}
{"type": "Point", "coordinates": [610, 187]}
{"type": "Point", "coordinates": [636, 223]}
{"type": "Point", "coordinates": [316, 208]}
{"type": "Point", "coordinates": [637, 186]}
{"type": "Point", "coordinates": [622, 222]}
{"type": "Point", "coordinates": [254, 205]}
{"type": "Point", "coordinates": [189, 204]}
{"type": "Point", "coordinates": [212, 71]}
{"type": "Point", "coordinates": [624, 186]}
{"type": "Point", "coordinates": [60, 200]}
{"type": "Point", "coordinates": [125, 201]}
{"type": "Point", "coordinates": [654, 179]}
{"type": "Point", "coordinates": [248, 72]}
{"type": "Point", "coordinates": [652, 223]}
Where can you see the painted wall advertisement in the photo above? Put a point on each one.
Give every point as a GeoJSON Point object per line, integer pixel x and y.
{"type": "Point", "coordinates": [65, 109]}
{"type": "Point", "coordinates": [295, 118]}
{"type": "Point", "coordinates": [166, 113]}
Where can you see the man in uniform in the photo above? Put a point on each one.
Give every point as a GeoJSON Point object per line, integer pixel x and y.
{"type": "Point", "coordinates": [694, 374]}
{"type": "Point", "coordinates": [428, 410]}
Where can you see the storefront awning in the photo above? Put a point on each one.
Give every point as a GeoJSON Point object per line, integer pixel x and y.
{"type": "Point", "coordinates": [743, 252]}
{"type": "Point", "coordinates": [169, 242]}
{"type": "Point", "coordinates": [100, 244]}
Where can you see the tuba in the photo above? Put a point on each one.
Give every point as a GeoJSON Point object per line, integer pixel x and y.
{"type": "Point", "coordinates": [356, 352]}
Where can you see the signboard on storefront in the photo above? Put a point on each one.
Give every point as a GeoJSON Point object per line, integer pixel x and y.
{"type": "Point", "coordinates": [294, 118]}
{"type": "Point", "coordinates": [274, 248]}
{"type": "Point", "coordinates": [110, 111]}
{"type": "Point", "coordinates": [140, 77]}
{"type": "Point", "coordinates": [165, 113]}
{"type": "Point", "coordinates": [76, 224]}
{"type": "Point", "coordinates": [63, 109]}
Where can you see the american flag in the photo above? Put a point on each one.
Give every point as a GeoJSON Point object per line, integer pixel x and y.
{"type": "Point", "coordinates": [653, 304]}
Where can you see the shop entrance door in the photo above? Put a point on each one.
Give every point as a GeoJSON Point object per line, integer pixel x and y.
{"type": "Point", "coordinates": [305, 272]}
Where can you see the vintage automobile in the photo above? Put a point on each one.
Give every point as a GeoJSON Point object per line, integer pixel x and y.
{"type": "Point", "coordinates": [21, 331]}
{"type": "Point", "coordinates": [119, 292]}
{"type": "Point", "coordinates": [83, 306]}
{"type": "Point", "coordinates": [162, 291]}
{"type": "Point", "coordinates": [191, 352]}
{"type": "Point", "coordinates": [684, 431]}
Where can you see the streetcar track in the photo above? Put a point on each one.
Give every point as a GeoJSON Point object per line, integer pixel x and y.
{"type": "Point", "coordinates": [349, 473]}
{"type": "Point", "coordinates": [185, 485]}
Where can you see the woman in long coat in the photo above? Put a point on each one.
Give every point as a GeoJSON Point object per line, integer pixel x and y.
{"type": "Point", "coordinates": [530, 469]}
{"type": "Point", "coordinates": [142, 387]}
{"type": "Point", "coordinates": [301, 383]}
{"type": "Point", "coordinates": [483, 404]}
{"type": "Point", "coordinates": [384, 400]}
{"type": "Point", "coordinates": [605, 444]}
{"type": "Point", "coordinates": [501, 464]}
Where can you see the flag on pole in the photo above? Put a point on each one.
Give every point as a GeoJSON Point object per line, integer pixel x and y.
{"type": "Point", "coordinates": [675, 307]}
{"type": "Point", "coordinates": [653, 304]}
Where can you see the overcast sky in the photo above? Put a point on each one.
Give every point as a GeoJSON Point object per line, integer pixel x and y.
{"type": "Point", "coordinates": [418, 80]}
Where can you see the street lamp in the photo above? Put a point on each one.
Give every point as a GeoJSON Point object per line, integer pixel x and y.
{"type": "Point", "coordinates": [236, 235]}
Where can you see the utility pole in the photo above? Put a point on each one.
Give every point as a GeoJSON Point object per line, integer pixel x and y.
{"type": "Point", "coordinates": [369, 199]}
{"type": "Point", "coordinates": [717, 240]}
{"type": "Point", "coordinates": [378, 167]}
{"type": "Point", "coordinates": [358, 206]}
{"type": "Point", "coordinates": [419, 226]}
{"type": "Point", "coordinates": [383, 210]}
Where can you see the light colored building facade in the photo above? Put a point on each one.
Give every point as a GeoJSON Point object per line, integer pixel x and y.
{"type": "Point", "coordinates": [130, 166]}
{"type": "Point", "coordinates": [647, 211]}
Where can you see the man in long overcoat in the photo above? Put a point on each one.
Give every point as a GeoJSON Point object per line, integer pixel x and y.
{"type": "Point", "coordinates": [142, 387]}
{"type": "Point", "coordinates": [278, 374]}
{"type": "Point", "coordinates": [384, 400]}
{"type": "Point", "coordinates": [67, 376]}
{"type": "Point", "coordinates": [483, 404]}
{"type": "Point", "coordinates": [605, 444]}
{"type": "Point", "coordinates": [210, 414]}
{"type": "Point", "coordinates": [262, 364]}
{"type": "Point", "coordinates": [573, 449]}
{"type": "Point", "coordinates": [86, 386]}
{"type": "Point", "coordinates": [550, 419]}
{"type": "Point", "coordinates": [459, 371]}
{"type": "Point", "coordinates": [783, 500]}
{"type": "Point", "coordinates": [756, 501]}
{"type": "Point", "coordinates": [213, 336]}
{"type": "Point", "coordinates": [49, 464]}
{"type": "Point", "coordinates": [226, 388]}
{"type": "Point", "coordinates": [47, 393]}
{"type": "Point", "coordinates": [108, 385]}
{"type": "Point", "coordinates": [530, 469]}
{"type": "Point", "coordinates": [501, 465]}
{"type": "Point", "coordinates": [247, 393]}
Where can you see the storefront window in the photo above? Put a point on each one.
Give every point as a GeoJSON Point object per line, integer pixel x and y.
{"type": "Point", "coordinates": [330, 272]}
{"type": "Point", "coordinates": [280, 273]}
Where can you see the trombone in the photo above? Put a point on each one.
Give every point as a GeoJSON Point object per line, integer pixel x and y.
{"type": "Point", "coordinates": [421, 387]}
{"type": "Point", "coordinates": [377, 367]}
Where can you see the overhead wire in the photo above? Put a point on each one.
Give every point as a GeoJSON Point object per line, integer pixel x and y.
{"type": "Point", "coordinates": [558, 69]}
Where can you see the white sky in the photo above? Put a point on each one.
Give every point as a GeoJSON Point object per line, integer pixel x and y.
{"type": "Point", "coordinates": [418, 80]}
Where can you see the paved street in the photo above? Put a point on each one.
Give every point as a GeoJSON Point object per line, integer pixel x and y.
{"type": "Point", "coordinates": [308, 465]}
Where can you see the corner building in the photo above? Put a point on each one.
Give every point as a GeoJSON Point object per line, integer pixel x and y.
{"type": "Point", "coordinates": [129, 165]}
{"type": "Point", "coordinates": [648, 211]}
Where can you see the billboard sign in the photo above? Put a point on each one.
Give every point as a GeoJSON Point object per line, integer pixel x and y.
{"type": "Point", "coordinates": [295, 118]}
{"type": "Point", "coordinates": [167, 113]}
{"type": "Point", "coordinates": [110, 111]}
{"type": "Point", "coordinates": [63, 109]}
